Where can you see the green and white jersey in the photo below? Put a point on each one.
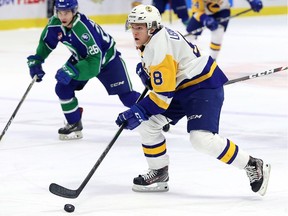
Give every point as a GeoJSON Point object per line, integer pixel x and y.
{"type": "Point", "coordinates": [88, 42]}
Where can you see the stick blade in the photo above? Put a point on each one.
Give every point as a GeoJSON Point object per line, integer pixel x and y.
{"type": "Point", "coordinates": [62, 191]}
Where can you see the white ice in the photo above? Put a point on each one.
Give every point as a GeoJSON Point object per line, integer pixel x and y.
{"type": "Point", "coordinates": [254, 116]}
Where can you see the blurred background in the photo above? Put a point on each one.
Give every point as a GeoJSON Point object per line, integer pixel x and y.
{"type": "Point", "coordinates": [34, 13]}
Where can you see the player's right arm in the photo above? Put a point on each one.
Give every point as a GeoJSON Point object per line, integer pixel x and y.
{"type": "Point", "coordinates": [49, 38]}
{"type": "Point", "coordinates": [48, 41]}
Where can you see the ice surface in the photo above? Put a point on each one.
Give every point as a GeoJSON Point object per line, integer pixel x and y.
{"type": "Point", "coordinates": [254, 116]}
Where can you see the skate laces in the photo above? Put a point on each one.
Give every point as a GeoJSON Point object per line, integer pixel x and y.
{"type": "Point", "coordinates": [69, 126]}
{"type": "Point", "coordinates": [253, 172]}
{"type": "Point", "coordinates": [151, 174]}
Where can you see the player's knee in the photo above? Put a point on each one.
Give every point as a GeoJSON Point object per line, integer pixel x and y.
{"type": "Point", "coordinates": [151, 131]}
{"type": "Point", "coordinates": [200, 140]}
{"type": "Point", "coordinates": [62, 92]}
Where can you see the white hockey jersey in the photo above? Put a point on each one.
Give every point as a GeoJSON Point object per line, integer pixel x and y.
{"type": "Point", "coordinates": [174, 64]}
{"type": "Point", "coordinates": [208, 7]}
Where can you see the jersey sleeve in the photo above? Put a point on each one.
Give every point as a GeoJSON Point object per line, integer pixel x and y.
{"type": "Point", "coordinates": [48, 39]}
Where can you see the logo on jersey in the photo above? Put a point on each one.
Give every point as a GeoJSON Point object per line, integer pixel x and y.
{"type": "Point", "coordinates": [60, 36]}
{"type": "Point", "coordinates": [85, 37]}
{"type": "Point", "coordinates": [192, 117]}
{"type": "Point", "coordinates": [116, 84]}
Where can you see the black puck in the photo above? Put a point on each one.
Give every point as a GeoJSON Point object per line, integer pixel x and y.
{"type": "Point", "coordinates": [166, 127]}
{"type": "Point", "coordinates": [69, 208]}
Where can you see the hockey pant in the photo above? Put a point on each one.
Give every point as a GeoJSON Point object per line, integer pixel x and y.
{"type": "Point", "coordinates": [114, 77]}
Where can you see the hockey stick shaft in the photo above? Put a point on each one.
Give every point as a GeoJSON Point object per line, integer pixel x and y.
{"type": "Point", "coordinates": [221, 21]}
{"type": "Point", "coordinates": [68, 193]}
{"type": "Point", "coordinates": [18, 106]}
{"type": "Point", "coordinates": [252, 76]}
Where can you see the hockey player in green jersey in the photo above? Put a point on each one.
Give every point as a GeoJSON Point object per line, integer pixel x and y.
{"type": "Point", "coordinates": [93, 55]}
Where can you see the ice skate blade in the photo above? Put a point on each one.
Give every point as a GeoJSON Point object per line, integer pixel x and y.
{"type": "Point", "coordinates": [266, 175]}
{"type": "Point", "coordinates": [155, 187]}
{"type": "Point", "coordinates": [72, 136]}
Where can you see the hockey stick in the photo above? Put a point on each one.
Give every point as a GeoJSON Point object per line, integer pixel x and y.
{"type": "Point", "coordinates": [252, 76]}
{"type": "Point", "coordinates": [69, 193]}
{"type": "Point", "coordinates": [221, 21]}
{"type": "Point", "coordinates": [18, 106]}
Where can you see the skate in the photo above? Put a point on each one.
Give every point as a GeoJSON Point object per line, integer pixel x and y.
{"type": "Point", "coordinates": [258, 174]}
{"type": "Point", "coordinates": [153, 181]}
{"type": "Point", "coordinates": [71, 131]}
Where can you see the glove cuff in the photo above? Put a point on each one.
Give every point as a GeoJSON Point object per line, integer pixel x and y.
{"type": "Point", "coordinates": [71, 70]}
{"type": "Point", "coordinates": [34, 60]}
{"type": "Point", "coordinates": [144, 113]}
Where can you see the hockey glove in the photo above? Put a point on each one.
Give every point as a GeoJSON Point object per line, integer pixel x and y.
{"type": "Point", "coordinates": [143, 76]}
{"type": "Point", "coordinates": [210, 23]}
{"type": "Point", "coordinates": [256, 5]}
{"type": "Point", "coordinates": [133, 117]}
{"type": "Point", "coordinates": [65, 74]}
{"type": "Point", "coordinates": [35, 66]}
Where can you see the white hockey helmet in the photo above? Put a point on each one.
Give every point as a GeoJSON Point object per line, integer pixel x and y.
{"type": "Point", "coordinates": [145, 14]}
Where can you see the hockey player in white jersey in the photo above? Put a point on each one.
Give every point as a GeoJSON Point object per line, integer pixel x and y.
{"type": "Point", "coordinates": [209, 13]}
{"type": "Point", "coordinates": [182, 83]}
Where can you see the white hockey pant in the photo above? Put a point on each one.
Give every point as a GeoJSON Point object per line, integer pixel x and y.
{"type": "Point", "coordinates": [218, 147]}
{"type": "Point", "coordinates": [216, 41]}
{"type": "Point", "coordinates": [151, 136]}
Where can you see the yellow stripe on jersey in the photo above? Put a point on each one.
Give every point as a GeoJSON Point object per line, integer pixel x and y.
{"type": "Point", "coordinates": [212, 7]}
{"type": "Point", "coordinates": [229, 153]}
{"type": "Point", "coordinates": [200, 79]}
{"type": "Point", "coordinates": [161, 103]}
{"type": "Point", "coordinates": [214, 46]}
{"type": "Point", "coordinates": [156, 150]}
{"type": "Point", "coordinates": [163, 75]}
{"type": "Point", "coordinates": [198, 7]}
